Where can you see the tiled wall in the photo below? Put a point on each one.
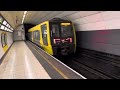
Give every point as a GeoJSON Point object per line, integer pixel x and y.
{"type": "Point", "coordinates": [95, 20]}
{"type": "Point", "coordinates": [1, 49]}
{"type": "Point", "coordinates": [98, 30]}
{"type": "Point", "coordinates": [19, 33]}
{"type": "Point", "coordinates": [9, 42]}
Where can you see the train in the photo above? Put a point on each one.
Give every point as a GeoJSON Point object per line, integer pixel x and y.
{"type": "Point", "coordinates": [55, 36]}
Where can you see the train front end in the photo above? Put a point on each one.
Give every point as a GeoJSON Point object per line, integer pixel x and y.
{"type": "Point", "coordinates": [63, 38]}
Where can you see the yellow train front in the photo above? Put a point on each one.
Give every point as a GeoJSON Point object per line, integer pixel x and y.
{"type": "Point", "coordinates": [56, 36]}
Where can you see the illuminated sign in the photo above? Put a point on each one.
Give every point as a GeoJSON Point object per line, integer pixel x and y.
{"type": "Point", "coordinates": [65, 24]}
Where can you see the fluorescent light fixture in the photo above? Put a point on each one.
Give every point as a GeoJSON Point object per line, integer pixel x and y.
{"type": "Point", "coordinates": [24, 16]}
{"type": "Point", "coordinates": [25, 12]}
{"type": "Point", "coordinates": [4, 22]}
{"type": "Point", "coordinates": [2, 27]}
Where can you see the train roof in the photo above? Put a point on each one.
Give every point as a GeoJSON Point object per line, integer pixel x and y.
{"type": "Point", "coordinates": [59, 20]}
{"type": "Point", "coordinates": [52, 20]}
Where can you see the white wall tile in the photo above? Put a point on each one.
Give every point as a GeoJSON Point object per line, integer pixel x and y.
{"type": "Point", "coordinates": [9, 38]}
{"type": "Point", "coordinates": [93, 18]}
{"type": "Point", "coordinates": [99, 21]}
{"type": "Point", "coordinates": [92, 26]}
{"type": "Point", "coordinates": [111, 15]}
{"type": "Point", "coordinates": [113, 24]}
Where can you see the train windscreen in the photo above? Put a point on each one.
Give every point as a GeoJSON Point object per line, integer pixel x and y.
{"type": "Point", "coordinates": [62, 33]}
{"type": "Point", "coordinates": [66, 30]}
{"type": "Point", "coordinates": [63, 30]}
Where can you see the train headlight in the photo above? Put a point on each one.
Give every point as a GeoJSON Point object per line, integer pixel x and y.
{"type": "Point", "coordinates": [56, 41]}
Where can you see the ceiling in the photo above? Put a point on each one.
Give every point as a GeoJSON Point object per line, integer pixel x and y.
{"type": "Point", "coordinates": [14, 18]}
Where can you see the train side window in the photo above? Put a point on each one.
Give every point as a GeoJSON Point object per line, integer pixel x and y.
{"type": "Point", "coordinates": [38, 35]}
{"type": "Point", "coordinates": [44, 34]}
{"type": "Point", "coordinates": [34, 35]}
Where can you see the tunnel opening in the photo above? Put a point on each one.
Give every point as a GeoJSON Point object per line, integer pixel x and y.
{"type": "Point", "coordinates": [27, 26]}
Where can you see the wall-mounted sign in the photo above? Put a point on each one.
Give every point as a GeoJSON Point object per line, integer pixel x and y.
{"type": "Point", "coordinates": [19, 33]}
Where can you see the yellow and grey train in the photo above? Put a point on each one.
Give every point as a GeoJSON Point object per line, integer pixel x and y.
{"type": "Point", "coordinates": [56, 36]}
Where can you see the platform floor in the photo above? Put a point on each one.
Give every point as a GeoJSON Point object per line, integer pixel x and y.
{"type": "Point", "coordinates": [26, 60]}
{"type": "Point", "coordinates": [20, 63]}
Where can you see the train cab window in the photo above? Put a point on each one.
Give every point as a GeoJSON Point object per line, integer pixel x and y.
{"type": "Point", "coordinates": [44, 34]}
{"type": "Point", "coordinates": [55, 30]}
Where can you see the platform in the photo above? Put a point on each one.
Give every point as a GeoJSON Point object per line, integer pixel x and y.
{"type": "Point", "coordinates": [25, 60]}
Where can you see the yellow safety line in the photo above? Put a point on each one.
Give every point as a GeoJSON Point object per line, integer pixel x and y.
{"type": "Point", "coordinates": [53, 66]}
{"type": "Point", "coordinates": [5, 48]}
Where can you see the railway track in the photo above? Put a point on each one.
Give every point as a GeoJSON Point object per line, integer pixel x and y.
{"type": "Point", "coordinates": [94, 65]}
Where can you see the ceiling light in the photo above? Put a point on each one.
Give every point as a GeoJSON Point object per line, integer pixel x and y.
{"type": "Point", "coordinates": [25, 12]}
{"type": "Point", "coordinates": [24, 16]}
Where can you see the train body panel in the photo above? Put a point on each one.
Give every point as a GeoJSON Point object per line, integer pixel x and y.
{"type": "Point", "coordinates": [54, 36]}
{"type": "Point", "coordinates": [74, 38]}
{"type": "Point", "coordinates": [44, 37]}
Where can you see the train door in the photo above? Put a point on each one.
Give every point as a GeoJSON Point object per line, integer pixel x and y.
{"type": "Point", "coordinates": [46, 38]}
{"type": "Point", "coordinates": [44, 35]}
{"type": "Point", "coordinates": [37, 37]}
